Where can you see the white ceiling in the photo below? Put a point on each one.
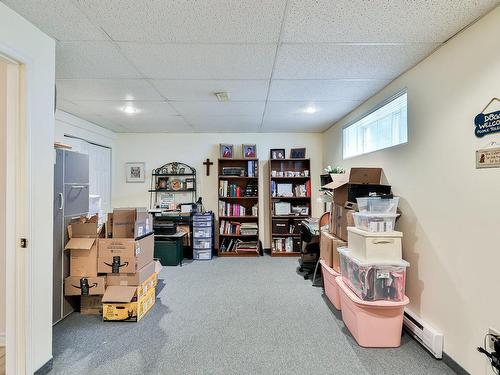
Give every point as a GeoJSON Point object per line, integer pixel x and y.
{"type": "Point", "coordinates": [274, 57]}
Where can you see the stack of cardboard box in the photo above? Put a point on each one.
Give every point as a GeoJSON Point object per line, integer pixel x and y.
{"type": "Point", "coordinates": [115, 276]}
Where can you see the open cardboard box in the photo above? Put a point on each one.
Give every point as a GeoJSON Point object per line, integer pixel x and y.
{"type": "Point", "coordinates": [342, 186]}
{"type": "Point", "coordinates": [129, 303]}
{"type": "Point", "coordinates": [124, 255]}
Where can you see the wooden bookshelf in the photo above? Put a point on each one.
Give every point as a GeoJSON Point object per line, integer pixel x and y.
{"type": "Point", "coordinates": [284, 171]}
{"type": "Point", "coordinates": [240, 209]}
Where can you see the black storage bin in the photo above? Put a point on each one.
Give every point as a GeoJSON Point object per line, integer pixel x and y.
{"type": "Point", "coordinates": [364, 190]}
{"type": "Point", "coordinates": [281, 226]}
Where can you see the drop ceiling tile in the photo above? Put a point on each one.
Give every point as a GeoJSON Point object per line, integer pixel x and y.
{"type": "Point", "coordinates": [61, 20]}
{"type": "Point", "coordinates": [324, 90]}
{"type": "Point", "coordinates": [188, 109]}
{"type": "Point", "coordinates": [291, 116]}
{"type": "Point", "coordinates": [379, 21]}
{"type": "Point", "coordinates": [91, 60]}
{"type": "Point", "coordinates": [225, 124]}
{"type": "Point", "coordinates": [188, 21]}
{"type": "Point", "coordinates": [201, 61]}
{"type": "Point", "coordinates": [155, 123]}
{"type": "Point", "coordinates": [203, 90]}
{"type": "Point", "coordinates": [106, 89]}
{"type": "Point", "coordinates": [333, 61]}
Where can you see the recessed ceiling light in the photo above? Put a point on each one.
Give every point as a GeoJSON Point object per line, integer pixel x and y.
{"type": "Point", "coordinates": [310, 110]}
{"type": "Point", "coordinates": [130, 110]}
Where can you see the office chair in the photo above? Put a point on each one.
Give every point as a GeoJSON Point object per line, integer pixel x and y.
{"type": "Point", "coordinates": [311, 247]}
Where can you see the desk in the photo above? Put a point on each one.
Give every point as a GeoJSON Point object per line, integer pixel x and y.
{"type": "Point", "coordinates": [169, 248]}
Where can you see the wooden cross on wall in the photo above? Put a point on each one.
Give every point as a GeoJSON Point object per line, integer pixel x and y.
{"type": "Point", "coordinates": [208, 163]}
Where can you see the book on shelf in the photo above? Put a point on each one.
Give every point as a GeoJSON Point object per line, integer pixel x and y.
{"type": "Point", "coordinates": [231, 209]}
{"type": "Point", "coordinates": [255, 210]}
{"type": "Point", "coordinates": [238, 246]}
{"type": "Point", "coordinates": [229, 227]}
{"type": "Point", "coordinates": [229, 190]}
{"type": "Point", "coordinates": [283, 244]}
{"type": "Point", "coordinates": [251, 229]}
{"type": "Point", "coordinates": [252, 168]}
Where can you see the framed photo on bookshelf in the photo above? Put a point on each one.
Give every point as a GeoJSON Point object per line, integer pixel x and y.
{"type": "Point", "coordinates": [249, 151]}
{"type": "Point", "coordinates": [277, 153]}
{"type": "Point", "coordinates": [298, 153]}
{"type": "Point", "coordinates": [226, 151]}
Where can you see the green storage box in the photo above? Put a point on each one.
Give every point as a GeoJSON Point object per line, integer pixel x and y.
{"type": "Point", "coordinates": [169, 251]}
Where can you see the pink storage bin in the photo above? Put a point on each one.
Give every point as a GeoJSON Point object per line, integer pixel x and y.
{"type": "Point", "coordinates": [375, 324]}
{"type": "Point", "coordinates": [330, 285]}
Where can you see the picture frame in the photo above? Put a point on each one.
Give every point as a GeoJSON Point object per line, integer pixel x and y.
{"type": "Point", "coordinates": [298, 153]}
{"type": "Point", "coordinates": [135, 172]}
{"type": "Point", "coordinates": [226, 151]}
{"type": "Point", "coordinates": [249, 151]}
{"type": "Point", "coordinates": [277, 153]}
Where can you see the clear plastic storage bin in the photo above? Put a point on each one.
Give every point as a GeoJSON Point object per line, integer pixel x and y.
{"type": "Point", "coordinates": [203, 232]}
{"type": "Point", "coordinates": [373, 281]}
{"type": "Point", "coordinates": [203, 223]}
{"type": "Point", "coordinates": [201, 244]}
{"type": "Point", "coordinates": [375, 222]}
{"type": "Point", "coordinates": [377, 205]}
{"type": "Point", "coordinates": [202, 254]}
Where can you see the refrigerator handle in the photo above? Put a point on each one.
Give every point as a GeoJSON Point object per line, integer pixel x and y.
{"type": "Point", "coordinates": [61, 199]}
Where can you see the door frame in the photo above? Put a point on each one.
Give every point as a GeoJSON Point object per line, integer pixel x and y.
{"type": "Point", "coordinates": [18, 335]}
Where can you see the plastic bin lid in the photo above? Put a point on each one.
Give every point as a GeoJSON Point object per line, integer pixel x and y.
{"type": "Point", "coordinates": [346, 252]}
{"type": "Point", "coordinates": [381, 303]}
{"type": "Point", "coordinates": [373, 214]}
{"type": "Point", "coordinates": [365, 233]}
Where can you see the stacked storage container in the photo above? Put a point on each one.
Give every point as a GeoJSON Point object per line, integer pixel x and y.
{"type": "Point", "coordinates": [373, 275]}
{"type": "Point", "coordinates": [203, 242]}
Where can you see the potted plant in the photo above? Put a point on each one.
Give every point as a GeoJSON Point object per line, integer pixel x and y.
{"type": "Point", "coordinates": [335, 171]}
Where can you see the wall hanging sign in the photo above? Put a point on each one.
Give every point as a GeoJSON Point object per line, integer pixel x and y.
{"type": "Point", "coordinates": [488, 158]}
{"type": "Point", "coordinates": [487, 123]}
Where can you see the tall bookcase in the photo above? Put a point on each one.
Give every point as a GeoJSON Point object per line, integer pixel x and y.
{"type": "Point", "coordinates": [238, 203]}
{"type": "Point", "coordinates": [289, 184]}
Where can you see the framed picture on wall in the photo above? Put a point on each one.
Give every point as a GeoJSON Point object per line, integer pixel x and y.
{"type": "Point", "coordinates": [249, 151]}
{"type": "Point", "coordinates": [226, 151]}
{"type": "Point", "coordinates": [135, 171]}
{"type": "Point", "coordinates": [277, 153]}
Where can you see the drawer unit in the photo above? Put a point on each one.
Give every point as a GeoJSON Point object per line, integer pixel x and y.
{"type": "Point", "coordinates": [374, 246]}
{"type": "Point", "coordinates": [202, 224]}
{"type": "Point", "coordinates": [202, 254]}
{"type": "Point", "coordinates": [202, 217]}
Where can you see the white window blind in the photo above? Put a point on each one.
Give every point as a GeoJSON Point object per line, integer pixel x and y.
{"type": "Point", "coordinates": [384, 127]}
{"type": "Point", "coordinates": [99, 169]}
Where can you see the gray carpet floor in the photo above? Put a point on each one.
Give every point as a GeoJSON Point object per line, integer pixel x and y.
{"type": "Point", "coordinates": [231, 316]}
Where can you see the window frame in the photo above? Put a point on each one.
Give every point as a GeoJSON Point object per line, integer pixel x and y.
{"type": "Point", "coordinates": [369, 112]}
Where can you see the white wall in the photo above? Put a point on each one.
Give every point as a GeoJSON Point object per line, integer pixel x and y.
{"type": "Point", "coordinates": [450, 209]}
{"type": "Point", "coordinates": [193, 149]}
{"type": "Point", "coordinates": [24, 42]}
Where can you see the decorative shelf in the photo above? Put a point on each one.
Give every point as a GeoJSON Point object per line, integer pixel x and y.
{"type": "Point", "coordinates": [171, 191]}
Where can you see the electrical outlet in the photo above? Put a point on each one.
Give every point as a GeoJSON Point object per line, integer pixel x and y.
{"type": "Point", "coordinates": [490, 341]}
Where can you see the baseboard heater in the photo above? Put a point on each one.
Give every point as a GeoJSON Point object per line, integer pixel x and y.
{"type": "Point", "coordinates": [423, 333]}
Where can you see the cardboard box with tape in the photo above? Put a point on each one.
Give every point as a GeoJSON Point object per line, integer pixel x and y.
{"type": "Point", "coordinates": [132, 279]}
{"type": "Point", "coordinates": [124, 255]}
{"type": "Point", "coordinates": [91, 305]}
{"type": "Point", "coordinates": [131, 222]}
{"type": "Point", "coordinates": [84, 286]}
{"type": "Point", "coordinates": [328, 250]}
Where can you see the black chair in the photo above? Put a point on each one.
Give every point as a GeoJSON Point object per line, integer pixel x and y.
{"type": "Point", "coordinates": [309, 246]}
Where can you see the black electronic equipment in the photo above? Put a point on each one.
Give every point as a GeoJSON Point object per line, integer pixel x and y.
{"type": "Point", "coordinates": [494, 356]}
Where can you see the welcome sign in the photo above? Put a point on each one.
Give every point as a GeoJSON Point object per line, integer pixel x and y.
{"type": "Point", "coordinates": [487, 123]}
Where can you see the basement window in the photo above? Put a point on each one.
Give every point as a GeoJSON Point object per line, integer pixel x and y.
{"type": "Point", "coordinates": [384, 126]}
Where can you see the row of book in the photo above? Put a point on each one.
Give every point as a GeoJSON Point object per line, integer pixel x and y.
{"type": "Point", "coordinates": [283, 245]}
{"type": "Point", "coordinates": [229, 190]}
{"type": "Point", "coordinates": [252, 168]}
{"type": "Point", "coordinates": [290, 190]}
{"type": "Point", "coordinates": [235, 227]}
{"type": "Point", "coordinates": [249, 229]}
{"type": "Point", "coordinates": [231, 209]}
{"type": "Point", "coordinates": [238, 246]}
